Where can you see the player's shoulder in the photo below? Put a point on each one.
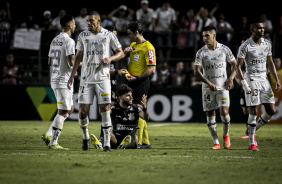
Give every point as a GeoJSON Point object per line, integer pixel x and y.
{"type": "Point", "coordinates": [266, 41]}
{"type": "Point", "coordinates": [246, 44]}
{"type": "Point", "coordinates": [84, 33]}
{"type": "Point", "coordinates": [149, 45]}
{"type": "Point", "coordinates": [132, 44]}
{"type": "Point", "coordinates": [136, 108]}
{"type": "Point", "coordinates": [202, 50]}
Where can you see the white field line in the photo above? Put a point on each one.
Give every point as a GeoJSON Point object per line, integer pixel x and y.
{"type": "Point", "coordinates": [154, 156]}
{"type": "Point", "coordinates": [164, 124]}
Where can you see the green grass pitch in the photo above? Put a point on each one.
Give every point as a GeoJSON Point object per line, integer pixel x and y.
{"type": "Point", "coordinates": [180, 154]}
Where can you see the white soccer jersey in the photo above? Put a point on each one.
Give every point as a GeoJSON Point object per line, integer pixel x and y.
{"type": "Point", "coordinates": [61, 47]}
{"type": "Point", "coordinates": [255, 58]}
{"type": "Point", "coordinates": [214, 64]}
{"type": "Point", "coordinates": [96, 47]}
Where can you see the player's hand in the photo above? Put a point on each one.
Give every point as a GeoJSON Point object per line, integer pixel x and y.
{"type": "Point", "coordinates": [277, 86]}
{"type": "Point", "coordinates": [130, 78]}
{"type": "Point", "coordinates": [105, 61]}
{"type": "Point", "coordinates": [128, 50]}
{"type": "Point", "coordinates": [122, 72]}
{"type": "Point", "coordinates": [212, 87]}
{"type": "Point", "coordinates": [144, 101]}
{"type": "Point", "coordinates": [246, 87]}
{"type": "Point", "coordinates": [76, 74]}
{"type": "Point", "coordinates": [229, 84]}
{"type": "Point", "coordinates": [70, 81]}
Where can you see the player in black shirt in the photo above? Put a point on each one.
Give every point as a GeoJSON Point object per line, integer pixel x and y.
{"type": "Point", "coordinates": [125, 117]}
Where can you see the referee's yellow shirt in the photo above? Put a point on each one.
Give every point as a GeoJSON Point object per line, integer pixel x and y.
{"type": "Point", "coordinates": [143, 55]}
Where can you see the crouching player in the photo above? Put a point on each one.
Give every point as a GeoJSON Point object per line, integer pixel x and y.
{"type": "Point", "coordinates": [125, 118]}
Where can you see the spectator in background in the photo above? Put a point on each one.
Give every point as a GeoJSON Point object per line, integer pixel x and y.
{"type": "Point", "coordinates": [6, 30]}
{"type": "Point", "coordinates": [267, 26]}
{"type": "Point", "coordinates": [105, 22]}
{"type": "Point", "coordinates": [187, 30]}
{"type": "Point", "coordinates": [224, 30]}
{"type": "Point", "coordinates": [125, 15]}
{"type": "Point", "coordinates": [46, 20]}
{"type": "Point", "coordinates": [194, 80]}
{"type": "Point", "coordinates": [55, 24]}
{"type": "Point", "coordinates": [179, 76]}
{"type": "Point", "coordinates": [145, 16]}
{"type": "Point", "coordinates": [29, 23]}
{"type": "Point", "coordinates": [164, 76]}
{"type": "Point", "coordinates": [80, 22]}
{"type": "Point", "coordinates": [11, 73]}
{"type": "Point", "coordinates": [163, 21]}
{"type": "Point", "coordinates": [278, 66]}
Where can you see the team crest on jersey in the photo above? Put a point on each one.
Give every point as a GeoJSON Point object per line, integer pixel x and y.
{"type": "Point", "coordinates": [131, 117]}
{"type": "Point", "coordinates": [151, 56]}
{"type": "Point", "coordinates": [220, 55]}
{"type": "Point", "coordinates": [136, 58]}
{"type": "Point", "coordinates": [266, 49]}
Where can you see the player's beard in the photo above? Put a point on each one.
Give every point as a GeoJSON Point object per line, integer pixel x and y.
{"type": "Point", "coordinates": [127, 103]}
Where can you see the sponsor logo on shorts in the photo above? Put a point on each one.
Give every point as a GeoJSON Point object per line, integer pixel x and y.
{"type": "Point", "coordinates": [151, 56]}
{"type": "Point", "coordinates": [60, 103]}
{"type": "Point", "coordinates": [104, 94]}
{"type": "Point", "coordinates": [223, 99]}
{"type": "Point", "coordinates": [270, 95]}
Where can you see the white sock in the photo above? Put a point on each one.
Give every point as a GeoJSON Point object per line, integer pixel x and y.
{"type": "Point", "coordinates": [212, 128]}
{"type": "Point", "coordinates": [107, 127]}
{"type": "Point", "coordinates": [263, 119]}
{"type": "Point", "coordinates": [225, 124]}
{"type": "Point", "coordinates": [57, 128]}
{"type": "Point", "coordinates": [252, 128]}
{"type": "Point", "coordinates": [84, 127]}
{"type": "Point", "coordinates": [49, 132]}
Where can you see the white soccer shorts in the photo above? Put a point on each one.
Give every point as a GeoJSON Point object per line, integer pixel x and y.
{"type": "Point", "coordinates": [262, 93]}
{"type": "Point", "coordinates": [214, 99]}
{"type": "Point", "coordinates": [64, 98]}
{"type": "Point", "coordinates": [87, 92]}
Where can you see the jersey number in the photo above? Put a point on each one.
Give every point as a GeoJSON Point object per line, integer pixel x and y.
{"type": "Point", "coordinates": [55, 60]}
{"type": "Point", "coordinates": [207, 98]}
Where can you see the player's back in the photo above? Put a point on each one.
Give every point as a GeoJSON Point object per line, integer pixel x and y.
{"type": "Point", "coordinates": [142, 56]}
{"type": "Point", "coordinates": [61, 47]}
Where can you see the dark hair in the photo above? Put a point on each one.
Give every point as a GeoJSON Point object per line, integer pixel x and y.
{"type": "Point", "coordinates": [209, 28]}
{"type": "Point", "coordinates": [65, 20]}
{"type": "Point", "coordinates": [123, 89]}
{"type": "Point", "coordinates": [135, 26]}
{"type": "Point", "coordinates": [94, 13]}
{"type": "Point", "coordinates": [254, 23]}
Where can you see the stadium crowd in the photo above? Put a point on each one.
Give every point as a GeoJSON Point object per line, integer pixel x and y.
{"type": "Point", "coordinates": [175, 34]}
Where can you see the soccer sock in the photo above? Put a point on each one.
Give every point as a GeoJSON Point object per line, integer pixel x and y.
{"type": "Point", "coordinates": [49, 132]}
{"type": "Point", "coordinates": [107, 127]}
{"type": "Point", "coordinates": [145, 134]}
{"type": "Point", "coordinates": [225, 124]}
{"type": "Point", "coordinates": [84, 127]}
{"type": "Point", "coordinates": [57, 129]}
{"type": "Point", "coordinates": [67, 116]}
{"type": "Point", "coordinates": [212, 128]}
{"type": "Point", "coordinates": [263, 119]}
{"type": "Point", "coordinates": [252, 128]}
{"type": "Point", "coordinates": [140, 130]}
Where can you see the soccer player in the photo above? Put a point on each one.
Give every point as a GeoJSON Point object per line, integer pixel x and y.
{"type": "Point", "coordinates": [212, 59]}
{"type": "Point", "coordinates": [61, 59]}
{"type": "Point", "coordinates": [141, 66]}
{"type": "Point", "coordinates": [94, 48]}
{"type": "Point", "coordinates": [125, 118]}
{"type": "Point", "coordinates": [256, 52]}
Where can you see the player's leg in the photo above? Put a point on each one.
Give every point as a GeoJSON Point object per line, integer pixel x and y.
{"type": "Point", "coordinates": [84, 123]}
{"type": "Point", "coordinates": [114, 141]}
{"type": "Point", "coordinates": [267, 99]}
{"type": "Point", "coordinates": [146, 143]}
{"type": "Point", "coordinates": [245, 110]}
{"type": "Point", "coordinates": [211, 123]}
{"type": "Point", "coordinates": [252, 128]}
{"type": "Point", "coordinates": [140, 132]}
{"type": "Point", "coordinates": [223, 102]}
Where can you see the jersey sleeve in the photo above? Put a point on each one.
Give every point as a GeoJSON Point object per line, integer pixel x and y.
{"type": "Point", "coordinates": [70, 47]}
{"type": "Point", "coordinates": [242, 51]}
{"type": "Point", "coordinates": [229, 56]}
{"type": "Point", "coordinates": [269, 53]}
{"type": "Point", "coordinates": [139, 109]}
{"type": "Point", "coordinates": [115, 44]}
{"type": "Point", "coordinates": [198, 59]}
{"type": "Point", "coordinates": [150, 56]}
{"type": "Point", "coordinates": [79, 45]}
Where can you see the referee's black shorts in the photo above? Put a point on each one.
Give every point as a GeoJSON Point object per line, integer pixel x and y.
{"type": "Point", "coordinates": [139, 87]}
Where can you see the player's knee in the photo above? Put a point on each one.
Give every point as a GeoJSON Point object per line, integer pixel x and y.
{"type": "Point", "coordinates": [271, 111]}
{"type": "Point", "coordinates": [71, 110]}
{"type": "Point", "coordinates": [83, 113]}
{"type": "Point", "coordinates": [225, 119]}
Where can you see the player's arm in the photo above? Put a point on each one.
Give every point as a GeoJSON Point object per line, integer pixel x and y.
{"type": "Point", "coordinates": [78, 59]}
{"type": "Point", "coordinates": [119, 54]}
{"type": "Point", "coordinates": [121, 72]}
{"type": "Point", "coordinates": [127, 51]}
{"type": "Point", "coordinates": [229, 82]}
{"type": "Point", "coordinates": [272, 71]}
{"type": "Point", "coordinates": [204, 79]}
{"type": "Point", "coordinates": [49, 61]}
{"type": "Point", "coordinates": [71, 59]}
{"type": "Point", "coordinates": [144, 114]}
{"type": "Point", "coordinates": [239, 72]}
